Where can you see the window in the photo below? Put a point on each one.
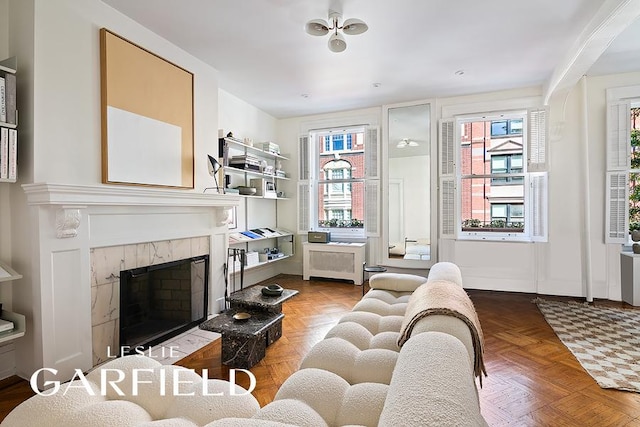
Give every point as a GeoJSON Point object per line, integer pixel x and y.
{"type": "Point", "coordinates": [487, 192]}
{"type": "Point", "coordinates": [634, 171]}
{"type": "Point", "coordinates": [337, 182]}
{"type": "Point", "coordinates": [507, 215]}
{"type": "Point", "coordinates": [491, 171]}
{"type": "Point", "coordinates": [338, 172]}
{"type": "Point", "coordinates": [623, 163]}
{"type": "Point", "coordinates": [506, 164]}
{"type": "Point", "coordinates": [336, 142]}
{"type": "Point", "coordinates": [500, 128]}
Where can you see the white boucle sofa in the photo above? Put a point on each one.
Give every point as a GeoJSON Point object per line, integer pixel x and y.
{"type": "Point", "coordinates": [356, 376]}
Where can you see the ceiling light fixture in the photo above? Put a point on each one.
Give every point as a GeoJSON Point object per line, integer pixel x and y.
{"type": "Point", "coordinates": [406, 142]}
{"type": "Point", "coordinates": [337, 43]}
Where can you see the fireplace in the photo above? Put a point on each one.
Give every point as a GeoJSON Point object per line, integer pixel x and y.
{"type": "Point", "coordinates": [160, 301]}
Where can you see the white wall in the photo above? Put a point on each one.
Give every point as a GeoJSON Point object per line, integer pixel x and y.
{"type": "Point", "coordinates": [57, 45]}
{"type": "Point", "coordinates": [67, 84]}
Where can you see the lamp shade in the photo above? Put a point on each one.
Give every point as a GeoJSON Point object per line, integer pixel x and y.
{"type": "Point", "coordinates": [354, 26]}
{"type": "Point", "coordinates": [337, 43]}
{"type": "Point", "coordinates": [317, 27]}
{"type": "Point", "coordinates": [214, 165]}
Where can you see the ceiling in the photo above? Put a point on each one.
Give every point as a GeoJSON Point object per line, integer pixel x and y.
{"type": "Point", "coordinates": [411, 51]}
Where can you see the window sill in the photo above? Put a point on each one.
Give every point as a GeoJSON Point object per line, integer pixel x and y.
{"type": "Point", "coordinates": [495, 237]}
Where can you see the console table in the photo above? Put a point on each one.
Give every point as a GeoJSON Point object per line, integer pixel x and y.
{"type": "Point", "coordinates": [244, 342]}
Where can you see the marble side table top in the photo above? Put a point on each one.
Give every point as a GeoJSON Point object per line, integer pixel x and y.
{"type": "Point", "coordinates": [252, 296]}
{"type": "Point", "coordinates": [224, 323]}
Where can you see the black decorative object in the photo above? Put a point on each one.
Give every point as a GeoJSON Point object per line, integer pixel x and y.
{"type": "Point", "coordinates": [273, 290]}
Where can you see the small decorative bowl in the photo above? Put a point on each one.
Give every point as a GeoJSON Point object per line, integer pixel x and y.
{"type": "Point", "coordinates": [247, 191]}
{"type": "Point", "coordinates": [274, 290]}
{"type": "Point", "coordinates": [241, 316]}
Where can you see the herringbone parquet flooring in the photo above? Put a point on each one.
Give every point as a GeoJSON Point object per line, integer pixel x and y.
{"type": "Point", "coordinates": [533, 379]}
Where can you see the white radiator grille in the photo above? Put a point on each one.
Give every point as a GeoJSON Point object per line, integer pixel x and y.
{"type": "Point", "coordinates": [332, 262]}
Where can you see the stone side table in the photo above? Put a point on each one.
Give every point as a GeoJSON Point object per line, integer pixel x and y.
{"type": "Point", "coordinates": [244, 342]}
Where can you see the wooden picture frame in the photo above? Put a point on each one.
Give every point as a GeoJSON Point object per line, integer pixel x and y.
{"type": "Point", "coordinates": [147, 117]}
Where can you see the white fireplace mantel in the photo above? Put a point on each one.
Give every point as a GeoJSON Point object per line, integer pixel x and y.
{"type": "Point", "coordinates": [68, 222]}
{"type": "Point", "coordinates": [115, 195]}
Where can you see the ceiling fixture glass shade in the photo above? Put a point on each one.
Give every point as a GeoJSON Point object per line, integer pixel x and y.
{"type": "Point", "coordinates": [406, 142]}
{"type": "Point", "coordinates": [317, 27]}
{"type": "Point", "coordinates": [337, 43]}
{"type": "Point", "coordinates": [353, 27]}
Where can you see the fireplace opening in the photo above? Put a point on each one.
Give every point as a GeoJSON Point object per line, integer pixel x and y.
{"type": "Point", "coordinates": [161, 301]}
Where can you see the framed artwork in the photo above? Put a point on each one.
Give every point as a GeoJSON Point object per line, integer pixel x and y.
{"type": "Point", "coordinates": [147, 116]}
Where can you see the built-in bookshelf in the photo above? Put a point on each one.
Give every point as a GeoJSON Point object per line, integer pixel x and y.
{"type": "Point", "coordinates": [280, 243]}
{"type": "Point", "coordinates": [8, 274]}
{"type": "Point", "coordinates": [256, 166]}
{"type": "Point", "coordinates": [8, 121]}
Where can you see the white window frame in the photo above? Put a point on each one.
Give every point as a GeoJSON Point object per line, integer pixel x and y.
{"type": "Point", "coordinates": [523, 236]}
{"type": "Point", "coordinates": [535, 137]}
{"type": "Point", "coordinates": [311, 175]}
{"type": "Point", "coordinates": [619, 102]}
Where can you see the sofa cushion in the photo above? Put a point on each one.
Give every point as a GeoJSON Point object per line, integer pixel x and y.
{"type": "Point", "coordinates": [202, 408]}
{"type": "Point", "coordinates": [360, 336]}
{"type": "Point", "coordinates": [374, 305]}
{"type": "Point", "coordinates": [399, 282]}
{"type": "Point", "coordinates": [329, 397]}
{"type": "Point", "coordinates": [374, 323]}
{"type": "Point", "coordinates": [150, 374]}
{"type": "Point", "coordinates": [154, 399]}
{"type": "Point", "coordinates": [350, 363]}
{"type": "Point", "coordinates": [321, 390]}
{"type": "Point", "coordinates": [247, 422]}
{"type": "Point", "coordinates": [293, 411]}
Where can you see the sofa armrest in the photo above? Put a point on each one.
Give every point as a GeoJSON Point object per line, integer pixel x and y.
{"type": "Point", "coordinates": [434, 366]}
{"type": "Point", "coordinates": [445, 271]}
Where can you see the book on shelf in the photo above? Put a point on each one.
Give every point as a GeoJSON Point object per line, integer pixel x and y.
{"type": "Point", "coordinates": [10, 98]}
{"type": "Point", "coordinates": [6, 325]}
{"type": "Point", "coordinates": [251, 234]}
{"type": "Point", "coordinates": [238, 237]}
{"type": "Point", "coordinates": [3, 100]}
{"type": "Point", "coordinates": [4, 153]}
{"type": "Point", "coordinates": [12, 157]}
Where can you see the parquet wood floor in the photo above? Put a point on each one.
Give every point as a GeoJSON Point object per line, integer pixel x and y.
{"type": "Point", "coordinates": [533, 378]}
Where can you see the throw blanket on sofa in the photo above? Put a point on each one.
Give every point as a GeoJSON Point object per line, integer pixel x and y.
{"type": "Point", "coordinates": [445, 298]}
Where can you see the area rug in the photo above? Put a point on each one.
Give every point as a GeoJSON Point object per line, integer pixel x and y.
{"type": "Point", "coordinates": [606, 341]}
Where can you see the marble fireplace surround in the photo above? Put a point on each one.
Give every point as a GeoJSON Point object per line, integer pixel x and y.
{"type": "Point", "coordinates": [106, 265]}
{"type": "Point", "coordinates": [81, 235]}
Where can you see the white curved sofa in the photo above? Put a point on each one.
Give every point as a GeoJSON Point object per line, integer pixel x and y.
{"type": "Point", "coordinates": [357, 375]}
